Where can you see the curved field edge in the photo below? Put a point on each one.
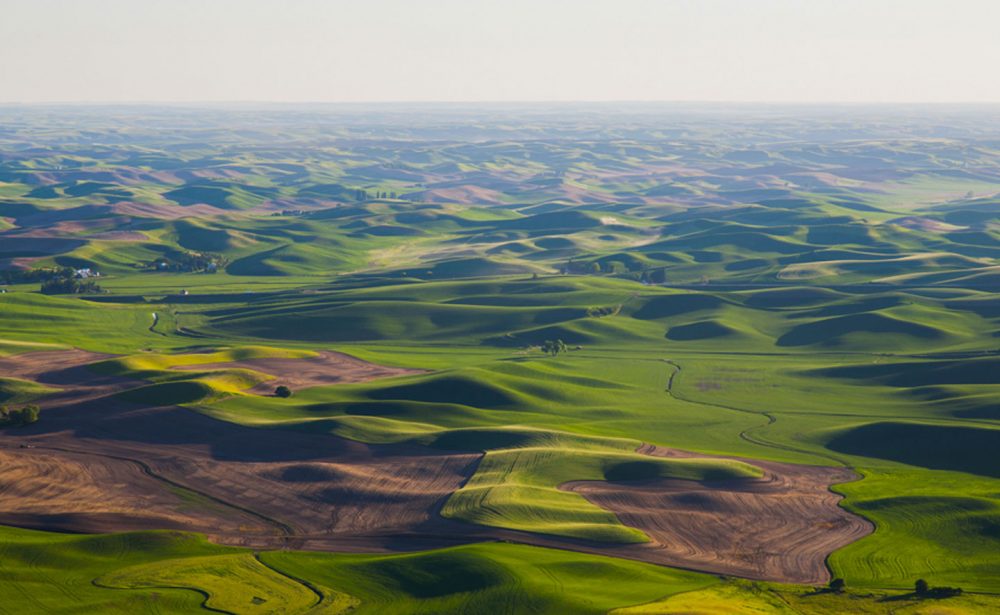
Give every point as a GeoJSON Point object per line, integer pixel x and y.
{"type": "Point", "coordinates": [489, 577]}
{"type": "Point", "coordinates": [176, 572]}
{"type": "Point", "coordinates": [232, 583]}
{"type": "Point", "coordinates": [923, 529]}
{"type": "Point", "coordinates": [167, 385]}
{"type": "Point", "coordinates": [211, 373]}
{"type": "Point", "coordinates": [136, 366]}
{"type": "Point", "coordinates": [887, 420]}
{"type": "Point", "coordinates": [519, 489]}
{"type": "Point", "coordinates": [173, 572]}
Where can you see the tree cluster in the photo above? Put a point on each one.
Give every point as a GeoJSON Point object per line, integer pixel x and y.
{"type": "Point", "coordinates": [364, 195]}
{"type": "Point", "coordinates": [921, 589]}
{"type": "Point", "coordinates": [190, 262]}
{"type": "Point", "coordinates": [582, 267]}
{"type": "Point", "coordinates": [553, 347]}
{"type": "Point", "coordinates": [630, 268]}
{"type": "Point", "coordinates": [56, 277]}
{"type": "Point", "coordinates": [600, 312]}
{"type": "Point", "coordinates": [68, 284]}
{"type": "Point", "coordinates": [23, 276]}
{"type": "Point", "coordinates": [16, 417]}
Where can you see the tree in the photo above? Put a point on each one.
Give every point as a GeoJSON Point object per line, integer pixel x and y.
{"type": "Point", "coordinates": [553, 347]}
{"type": "Point", "coordinates": [29, 414]}
{"type": "Point", "coordinates": [837, 585]}
{"type": "Point", "coordinates": [921, 587]}
{"type": "Point", "coordinates": [283, 391]}
{"type": "Point", "coordinates": [658, 276]}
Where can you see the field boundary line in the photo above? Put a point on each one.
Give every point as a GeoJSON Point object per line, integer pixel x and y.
{"type": "Point", "coordinates": [287, 531]}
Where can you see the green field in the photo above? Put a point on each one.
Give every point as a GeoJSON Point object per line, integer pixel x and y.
{"type": "Point", "coordinates": [178, 573]}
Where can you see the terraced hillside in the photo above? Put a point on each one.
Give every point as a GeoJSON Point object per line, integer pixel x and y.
{"type": "Point", "coordinates": [512, 359]}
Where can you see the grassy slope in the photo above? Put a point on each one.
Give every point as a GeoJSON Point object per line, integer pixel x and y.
{"type": "Point", "coordinates": [488, 577]}
{"type": "Point", "coordinates": [9, 347]}
{"type": "Point", "coordinates": [45, 572]}
{"type": "Point", "coordinates": [72, 322]}
{"type": "Point", "coordinates": [233, 584]}
{"type": "Point", "coordinates": [608, 394]}
{"type": "Point", "coordinates": [172, 572]}
{"type": "Point", "coordinates": [15, 391]}
{"type": "Point", "coordinates": [518, 312]}
{"type": "Point", "coordinates": [517, 488]}
{"type": "Point", "coordinates": [748, 598]}
{"type": "Point", "coordinates": [170, 386]}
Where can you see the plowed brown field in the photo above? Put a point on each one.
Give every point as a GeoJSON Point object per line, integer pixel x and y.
{"type": "Point", "coordinates": [325, 369]}
{"type": "Point", "coordinates": [780, 527]}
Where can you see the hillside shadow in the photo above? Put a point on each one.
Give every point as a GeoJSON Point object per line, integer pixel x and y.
{"type": "Point", "coordinates": [831, 330]}
{"type": "Point", "coordinates": [962, 449]}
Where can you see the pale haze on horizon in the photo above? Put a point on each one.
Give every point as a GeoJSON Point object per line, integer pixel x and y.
{"type": "Point", "coordinates": [492, 50]}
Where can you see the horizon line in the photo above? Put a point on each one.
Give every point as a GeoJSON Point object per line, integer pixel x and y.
{"type": "Point", "coordinates": [805, 103]}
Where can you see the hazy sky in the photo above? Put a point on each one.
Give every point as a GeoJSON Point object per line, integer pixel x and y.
{"type": "Point", "coordinates": [501, 50]}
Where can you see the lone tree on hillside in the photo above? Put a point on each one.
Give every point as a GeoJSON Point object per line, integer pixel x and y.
{"type": "Point", "coordinates": [553, 347]}
{"type": "Point", "coordinates": [837, 585]}
{"type": "Point", "coordinates": [658, 276]}
{"type": "Point", "coordinates": [283, 391]}
{"type": "Point", "coordinates": [29, 414]}
{"type": "Point", "coordinates": [923, 590]}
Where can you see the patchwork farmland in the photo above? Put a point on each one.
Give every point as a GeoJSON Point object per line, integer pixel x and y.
{"type": "Point", "coordinates": [505, 358]}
